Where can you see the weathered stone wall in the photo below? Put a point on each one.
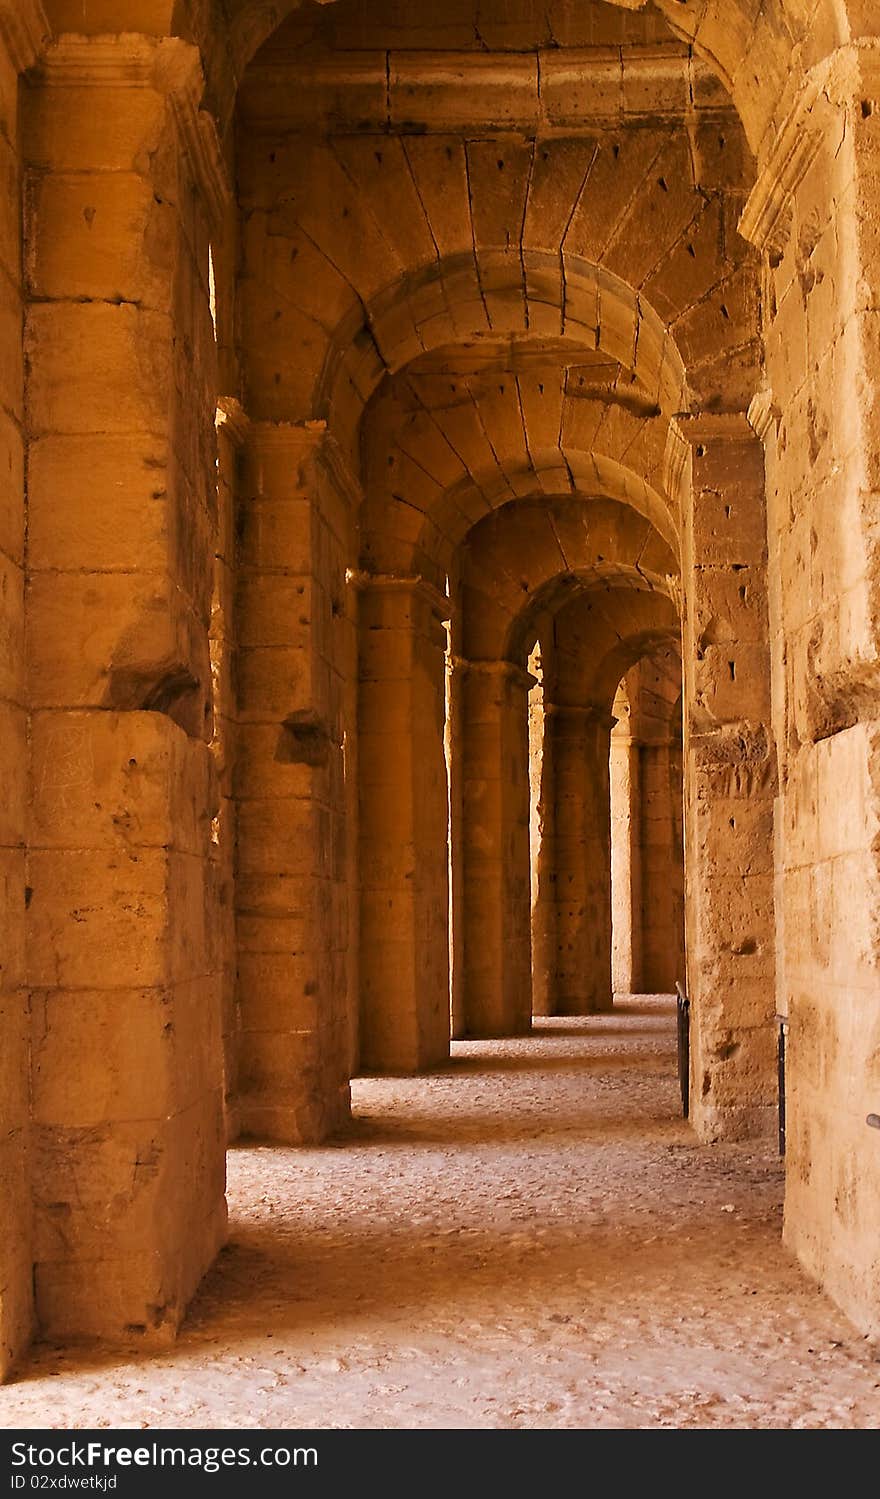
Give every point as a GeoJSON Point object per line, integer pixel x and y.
{"type": "Point", "coordinates": [20, 35]}
{"type": "Point", "coordinates": [819, 418]}
{"type": "Point", "coordinates": [122, 920]}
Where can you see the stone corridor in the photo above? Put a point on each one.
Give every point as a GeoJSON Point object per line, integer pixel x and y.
{"type": "Point", "coordinates": [528, 1237]}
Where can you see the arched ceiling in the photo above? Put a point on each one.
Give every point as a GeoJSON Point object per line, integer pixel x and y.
{"type": "Point", "coordinates": [362, 253]}
{"type": "Point", "coordinates": [442, 451]}
{"type": "Point", "coordinates": [600, 634]}
{"type": "Point", "coordinates": [533, 555]}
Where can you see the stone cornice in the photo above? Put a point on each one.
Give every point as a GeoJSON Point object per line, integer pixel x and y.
{"type": "Point", "coordinates": [544, 89]}
{"type": "Point", "coordinates": [714, 426]}
{"type": "Point", "coordinates": [766, 219]}
{"type": "Point", "coordinates": [168, 65]}
{"type": "Point", "coordinates": [585, 712]}
{"type": "Point", "coordinates": [411, 582]}
{"type": "Point", "coordinates": [309, 437]}
{"type": "Point", "coordinates": [24, 30]}
{"type": "Point", "coordinates": [298, 437]}
{"type": "Point", "coordinates": [507, 671]}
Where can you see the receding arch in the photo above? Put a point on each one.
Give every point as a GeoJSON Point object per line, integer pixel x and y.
{"type": "Point", "coordinates": [530, 555]}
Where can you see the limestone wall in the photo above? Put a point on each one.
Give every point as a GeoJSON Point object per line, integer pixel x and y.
{"type": "Point", "coordinates": [819, 418]}
{"type": "Point", "coordinates": [19, 37]}
{"type": "Point", "coordinates": [123, 929]}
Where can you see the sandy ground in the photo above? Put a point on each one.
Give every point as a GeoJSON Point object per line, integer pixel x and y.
{"type": "Point", "coordinates": [529, 1238]}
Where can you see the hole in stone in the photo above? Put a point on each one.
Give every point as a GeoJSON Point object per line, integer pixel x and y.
{"type": "Point", "coordinates": [867, 108]}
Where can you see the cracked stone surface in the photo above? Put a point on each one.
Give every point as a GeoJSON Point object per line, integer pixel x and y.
{"type": "Point", "coordinates": [529, 1237]}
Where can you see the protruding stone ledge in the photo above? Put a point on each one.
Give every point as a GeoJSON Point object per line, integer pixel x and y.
{"type": "Point", "coordinates": [506, 670]}
{"type": "Point", "coordinates": [546, 89]}
{"type": "Point", "coordinates": [440, 602]}
{"type": "Point", "coordinates": [701, 428]}
{"type": "Point", "coordinates": [301, 440]}
{"type": "Point", "coordinates": [168, 65]}
{"type": "Point", "coordinates": [588, 713]}
{"type": "Point", "coordinates": [767, 216]}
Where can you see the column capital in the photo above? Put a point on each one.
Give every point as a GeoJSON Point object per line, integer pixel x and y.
{"type": "Point", "coordinates": [364, 582]}
{"type": "Point", "coordinates": [705, 428]}
{"type": "Point", "coordinates": [588, 713]}
{"type": "Point", "coordinates": [302, 440]}
{"type": "Point", "coordinates": [170, 67]}
{"type": "Point", "coordinates": [25, 31]}
{"type": "Point", "coordinates": [507, 670]}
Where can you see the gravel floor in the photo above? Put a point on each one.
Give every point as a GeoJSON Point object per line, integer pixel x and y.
{"type": "Point", "coordinates": [529, 1238]}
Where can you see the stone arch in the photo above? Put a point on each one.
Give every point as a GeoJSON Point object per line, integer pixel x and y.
{"type": "Point", "coordinates": [759, 56]}
{"type": "Point", "coordinates": [541, 549]}
{"type": "Point", "coordinates": [441, 451]}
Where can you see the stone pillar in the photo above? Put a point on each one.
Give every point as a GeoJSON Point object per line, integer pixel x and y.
{"type": "Point", "coordinates": [496, 889]}
{"type": "Point", "coordinates": [403, 820]}
{"type": "Point", "coordinates": [579, 740]}
{"type": "Point", "coordinates": [730, 783]}
{"type": "Point", "coordinates": [124, 185]}
{"type": "Point", "coordinates": [22, 31]}
{"type": "Point", "coordinates": [544, 893]}
{"type": "Point", "coordinates": [661, 871]}
{"type": "Point", "coordinates": [295, 649]}
{"type": "Point", "coordinates": [232, 428]}
{"type": "Point", "coordinates": [626, 871]}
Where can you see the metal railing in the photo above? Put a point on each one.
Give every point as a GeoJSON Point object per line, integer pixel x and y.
{"type": "Point", "coordinates": [683, 1005]}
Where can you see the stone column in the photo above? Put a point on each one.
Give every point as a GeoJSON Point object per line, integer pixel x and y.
{"type": "Point", "coordinates": [660, 858]}
{"type": "Point", "coordinates": [626, 863]}
{"type": "Point", "coordinates": [125, 183]}
{"type": "Point", "coordinates": [496, 889]}
{"type": "Point", "coordinates": [295, 650]}
{"type": "Point", "coordinates": [232, 429]}
{"type": "Point", "coordinates": [730, 782]}
{"type": "Point", "coordinates": [579, 739]}
{"type": "Point", "coordinates": [403, 818]}
{"type": "Point", "coordinates": [22, 32]}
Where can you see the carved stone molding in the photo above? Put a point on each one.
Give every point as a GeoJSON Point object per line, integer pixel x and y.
{"type": "Point", "coordinates": [508, 671]}
{"type": "Point", "coordinates": [763, 414]}
{"type": "Point", "coordinates": [24, 31]}
{"type": "Point", "coordinates": [168, 65]}
{"type": "Point", "coordinates": [309, 437]}
{"type": "Point", "coordinates": [766, 219]}
{"type": "Point", "coordinates": [704, 427]}
{"type": "Point", "coordinates": [413, 582]}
